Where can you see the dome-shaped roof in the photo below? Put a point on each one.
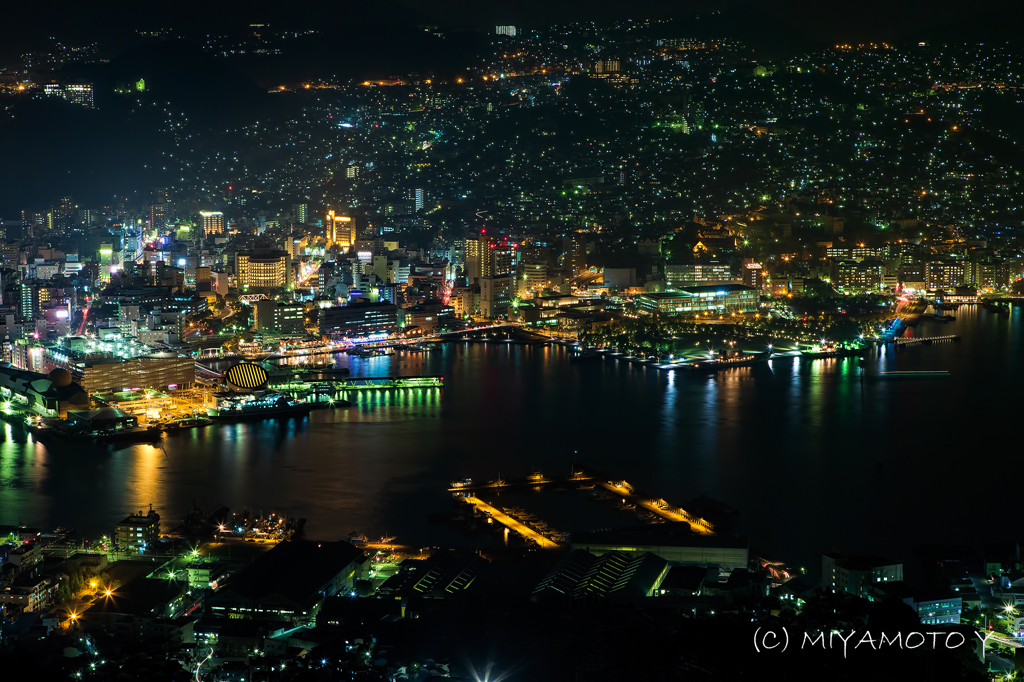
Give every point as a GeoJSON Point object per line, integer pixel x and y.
{"type": "Point", "coordinates": [247, 376]}
{"type": "Point", "coordinates": [60, 377]}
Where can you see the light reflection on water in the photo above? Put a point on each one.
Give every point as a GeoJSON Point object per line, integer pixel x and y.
{"type": "Point", "coordinates": [813, 454]}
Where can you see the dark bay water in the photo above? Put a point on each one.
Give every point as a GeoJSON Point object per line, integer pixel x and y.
{"type": "Point", "coordinates": [814, 455]}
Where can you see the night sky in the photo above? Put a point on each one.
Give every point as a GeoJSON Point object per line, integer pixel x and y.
{"type": "Point", "coordinates": [778, 20]}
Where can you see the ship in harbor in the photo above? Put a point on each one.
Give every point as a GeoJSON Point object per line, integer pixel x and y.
{"type": "Point", "coordinates": [726, 359]}
{"type": "Point", "coordinates": [247, 397]}
{"type": "Point", "coordinates": [258, 405]}
{"type": "Point", "coordinates": [829, 349]}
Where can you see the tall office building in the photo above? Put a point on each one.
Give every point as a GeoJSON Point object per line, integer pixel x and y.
{"type": "Point", "coordinates": [160, 209]}
{"type": "Point", "coordinates": [575, 249]}
{"type": "Point", "coordinates": [503, 258]}
{"type": "Point", "coordinates": [496, 293]}
{"type": "Point", "coordinates": [212, 222]}
{"type": "Point", "coordinates": [29, 300]}
{"type": "Point", "coordinates": [340, 230]}
{"type": "Point", "coordinates": [753, 274]}
{"type": "Point", "coordinates": [418, 197]}
{"type": "Point", "coordinates": [531, 279]}
{"type": "Point", "coordinates": [509, 31]}
{"type": "Point", "coordinates": [472, 259]}
{"type": "Point", "coordinates": [484, 245]}
{"type": "Point", "coordinates": [299, 212]}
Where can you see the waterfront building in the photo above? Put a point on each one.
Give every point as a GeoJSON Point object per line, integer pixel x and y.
{"type": "Point", "coordinates": [496, 293]}
{"type": "Point", "coordinates": [944, 275]}
{"type": "Point", "coordinates": [99, 371]}
{"type": "Point", "coordinates": [850, 276]}
{"type": "Point", "coordinates": [137, 532]}
{"type": "Point", "coordinates": [427, 316]}
{"type": "Point", "coordinates": [137, 402]}
{"type": "Point", "coordinates": [718, 298]}
{"type": "Point", "coordinates": [278, 317]}
{"type": "Point", "coordinates": [358, 319]}
{"type": "Point", "coordinates": [102, 420]}
{"type": "Point", "coordinates": [290, 582]}
{"type": "Point", "coordinates": [674, 542]}
{"type": "Point", "coordinates": [49, 395]}
{"type": "Point", "coordinates": [857, 575]}
{"type": "Point", "coordinates": [444, 574]}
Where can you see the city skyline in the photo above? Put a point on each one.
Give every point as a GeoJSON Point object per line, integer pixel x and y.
{"type": "Point", "coordinates": [521, 342]}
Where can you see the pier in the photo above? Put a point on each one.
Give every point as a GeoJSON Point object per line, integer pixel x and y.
{"type": "Point", "coordinates": [925, 339]}
{"type": "Point", "coordinates": [510, 523]}
{"type": "Point", "coordinates": [656, 506]}
{"type": "Point", "coordinates": [659, 507]}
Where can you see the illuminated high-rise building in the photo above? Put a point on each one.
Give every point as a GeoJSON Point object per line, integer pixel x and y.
{"type": "Point", "coordinates": [106, 254]}
{"type": "Point", "coordinates": [340, 230]}
{"type": "Point", "coordinates": [472, 259]}
{"type": "Point", "coordinates": [509, 31]}
{"type": "Point", "coordinates": [212, 222]}
{"type": "Point", "coordinates": [418, 197]}
{"type": "Point", "coordinates": [503, 258]}
{"type": "Point", "coordinates": [299, 212]}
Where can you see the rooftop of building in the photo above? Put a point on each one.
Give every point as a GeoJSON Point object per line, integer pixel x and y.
{"type": "Point", "coordinates": [295, 569]}
{"type": "Point", "coordinates": [699, 289]}
{"type": "Point", "coordinates": [57, 384]}
{"type": "Point", "coordinates": [861, 563]}
{"type": "Point", "coordinates": [666, 534]}
{"type": "Point", "coordinates": [443, 574]}
{"type": "Point", "coordinates": [140, 518]}
{"type": "Point", "coordinates": [685, 578]}
{"type": "Point", "coordinates": [582, 574]}
{"type": "Point", "coordinates": [142, 597]}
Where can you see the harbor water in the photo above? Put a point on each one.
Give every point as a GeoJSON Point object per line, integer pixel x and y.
{"type": "Point", "coordinates": [813, 455]}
